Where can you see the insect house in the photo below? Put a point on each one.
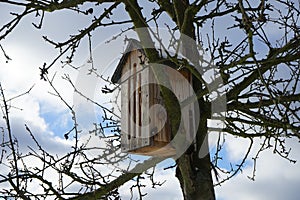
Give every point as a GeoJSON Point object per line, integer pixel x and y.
{"type": "Point", "coordinates": [145, 128]}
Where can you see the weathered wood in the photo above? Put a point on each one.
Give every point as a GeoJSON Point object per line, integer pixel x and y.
{"type": "Point", "coordinates": [125, 91]}
{"type": "Point", "coordinates": [145, 125]}
{"type": "Point", "coordinates": [145, 94]}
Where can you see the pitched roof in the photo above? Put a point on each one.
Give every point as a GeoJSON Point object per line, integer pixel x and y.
{"type": "Point", "coordinates": [133, 44]}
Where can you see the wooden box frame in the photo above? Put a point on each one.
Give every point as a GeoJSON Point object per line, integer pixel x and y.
{"type": "Point", "coordinates": [139, 132]}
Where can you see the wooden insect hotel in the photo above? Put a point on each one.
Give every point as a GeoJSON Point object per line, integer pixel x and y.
{"type": "Point", "coordinates": [145, 128]}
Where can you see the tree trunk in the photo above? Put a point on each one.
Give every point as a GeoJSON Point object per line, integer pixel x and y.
{"type": "Point", "coordinates": [194, 175]}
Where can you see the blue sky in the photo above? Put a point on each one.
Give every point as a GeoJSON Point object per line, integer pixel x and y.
{"type": "Point", "coordinates": [276, 178]}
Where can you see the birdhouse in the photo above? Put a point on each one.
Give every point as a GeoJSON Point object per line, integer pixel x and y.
{"type": "Point", "coordinates": [145, 127]}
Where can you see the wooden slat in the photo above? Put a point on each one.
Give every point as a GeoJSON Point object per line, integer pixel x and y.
{"type": "Point", "coordinates": [125, 110]}
{"type": "Point", "coordinates": [151, 102]}
{"type": "Point", "coordinates": [154, 96]}
{"type": "Point", "coordinates": [133, 144]}
{"type": "Point", "coordinates": [145, 105]}
{"type": "Point", "coordinates": [137, 113]}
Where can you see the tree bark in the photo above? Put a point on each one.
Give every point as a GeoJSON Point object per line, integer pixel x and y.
{"type": "Point", "coordinates": [196, 183]}
{"type": "Point", "coordinates": [194, 168]}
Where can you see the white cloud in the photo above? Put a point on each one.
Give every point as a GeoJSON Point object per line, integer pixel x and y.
{"type": "Point", "coordinates": [170, 190]}
{"type": "Point", "coordinates": [276, 178]}
{"type": "Point", "coordinates": [236, 147]}
{"type": "Point", "coordinates": [22, 72]}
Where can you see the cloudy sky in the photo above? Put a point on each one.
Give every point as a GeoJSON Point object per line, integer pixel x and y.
{"type": "Point", "coordinates": [49, 119]}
